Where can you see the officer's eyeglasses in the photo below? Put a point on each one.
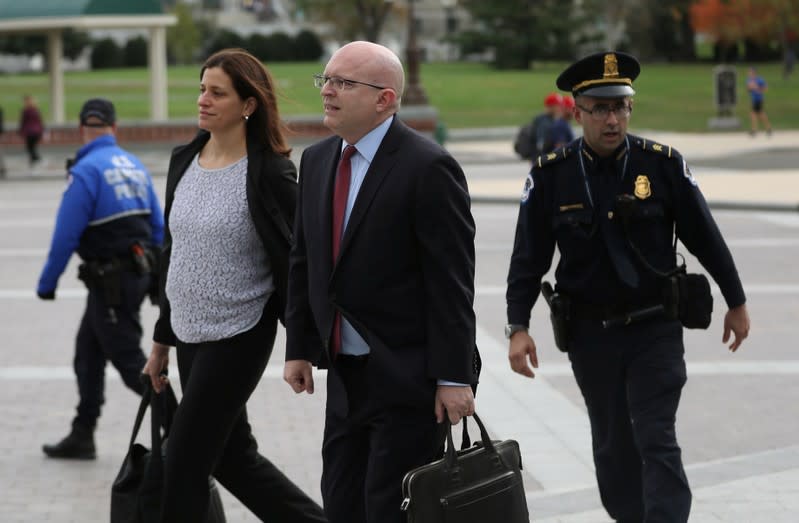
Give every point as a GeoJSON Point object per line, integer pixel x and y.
{"type": "Point", "coordinates": [339, 84]}
{"type": "Point", "coordinates": [602, 111]}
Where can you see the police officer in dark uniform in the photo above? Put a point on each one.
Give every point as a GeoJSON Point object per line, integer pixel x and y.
{"type": "Point", "coordinates": [612, 203]}
{"type": "Point", "coordinates": [111, 216]}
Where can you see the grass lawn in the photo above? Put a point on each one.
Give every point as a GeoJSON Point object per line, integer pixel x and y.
{"type": "Point", "coordinates": [677, 97]}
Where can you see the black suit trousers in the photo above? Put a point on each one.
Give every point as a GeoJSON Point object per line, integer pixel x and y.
{"type": "Point", "coordinates": [366, 453]}
{"type": "Point", "coordinates": [211, 435]}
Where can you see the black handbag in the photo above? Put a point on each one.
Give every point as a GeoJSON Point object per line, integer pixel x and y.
{"type": "Point", "coordinates": [137, 489]}
{"type": "Point", "coordinates": [476, 484]}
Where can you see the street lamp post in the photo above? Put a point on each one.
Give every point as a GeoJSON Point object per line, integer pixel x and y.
{"type": "Point", "coordinates": [414, 92]}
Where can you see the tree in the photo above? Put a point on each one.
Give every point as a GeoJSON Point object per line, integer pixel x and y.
{"type": "Point", "coordinates": [519, 31]}
{"type": "Point", "coordinates": [74, 42]}
{"type": "Point", "coordinates": [106, 54]}
{"type": "Point", "coordinates": [307, 46]}
{"type": "Point", "coordinates": [134, 53]}
{"type": "Point", "coordinates": [650, 29]}
{"type": "Point", "coordinates": [223, 39]}
{"type": "Point", "coordinates": [352, 19]}
{"type": "Point", "coordinates": [281, 47]}
{"type": "Point", "coordinates": [763, 25]}
{"type": "Point", "coordinates": [183, 38]}
{"type": "Point", "coordinates": [28, 45]}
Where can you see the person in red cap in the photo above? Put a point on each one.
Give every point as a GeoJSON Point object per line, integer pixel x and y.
{"type": "Point", "coordinates": [560, 132]}
{"type": "Point", "coordinates": [531, 140]}
{"type": "Point", "coordinates": [568, 105]}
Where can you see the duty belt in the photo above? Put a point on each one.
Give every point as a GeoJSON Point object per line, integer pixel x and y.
{"type": "Point", "coordinates": [617, 315]}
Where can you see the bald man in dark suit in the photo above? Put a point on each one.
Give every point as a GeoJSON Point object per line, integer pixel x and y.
{"type": "Point", "coordinates": [381, 288]}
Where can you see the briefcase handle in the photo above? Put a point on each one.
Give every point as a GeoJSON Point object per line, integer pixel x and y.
{"type": "Point", "coordinates": [450, 456]}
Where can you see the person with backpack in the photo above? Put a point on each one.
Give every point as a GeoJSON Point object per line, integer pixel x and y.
{"type": "Point", "coordinates": [531, 140]}
{"type": "Point", "coordinates": [560, 132]}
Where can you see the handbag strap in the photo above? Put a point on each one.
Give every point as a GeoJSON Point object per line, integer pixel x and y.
{"type": "Point", "coordinates": [150, 399]}
{"type": "Point", "coordinates": [143, 404]}
{"type": "Point", "coordinates": [162, 411]}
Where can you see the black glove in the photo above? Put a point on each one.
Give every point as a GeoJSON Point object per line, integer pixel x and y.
{"type": "Point", "coordinates": [46, 295]}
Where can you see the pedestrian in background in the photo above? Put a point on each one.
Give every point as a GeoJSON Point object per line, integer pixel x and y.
{"type": "Point", "coordinates": [757, 87]}
{"type": "Point", "coordinates": [612, 203]}
{"type": "Point", "coordinates": [2, 157]}
{"type": "Point", "coordinates": [532, 139]}
{"type": "Point", "coordinates": [381, 288]}
{"type": "Point", "coordinates": [230, 198]}
{"type": "Point", "coordinates": [31, 128]}
{"type": "Point", "coordinates": [560, 132]}
{"type": "Point", "coordinates": [111, 216]}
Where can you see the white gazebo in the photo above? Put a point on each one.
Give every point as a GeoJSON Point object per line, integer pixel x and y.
{"type": "Point", "coordinates": [51, 17]}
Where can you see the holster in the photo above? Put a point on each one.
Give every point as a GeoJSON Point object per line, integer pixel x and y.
{"type": "Point", "coordinates": [560, 314]}
{"type": "Point", "coordinates": [105, 276]}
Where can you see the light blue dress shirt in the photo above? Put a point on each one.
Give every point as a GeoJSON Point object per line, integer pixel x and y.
{"type": "Point", "coordinates": [351, 342]}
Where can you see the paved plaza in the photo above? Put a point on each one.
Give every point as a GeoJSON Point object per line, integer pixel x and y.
{"type": "Point", "coordinates": [738, 421]}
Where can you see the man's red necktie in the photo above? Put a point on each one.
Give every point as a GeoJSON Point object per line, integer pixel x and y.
{"type": "Point", "coordinates": [341, 191]}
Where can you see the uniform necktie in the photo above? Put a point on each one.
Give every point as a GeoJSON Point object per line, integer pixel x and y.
{"type": "Point", "coordinates": [341, 190]}
{"type": "Point", "coordinates": [617, 245]}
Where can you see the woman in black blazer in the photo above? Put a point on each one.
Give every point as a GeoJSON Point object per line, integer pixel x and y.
{"type": "Point", "coordinates": [230, 199]}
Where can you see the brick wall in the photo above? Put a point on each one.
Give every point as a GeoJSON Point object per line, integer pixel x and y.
{"type": "Point", "coordinates": [301, 128]}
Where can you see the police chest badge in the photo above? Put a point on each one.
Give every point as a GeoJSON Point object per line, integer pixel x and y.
{"type": "Point", "coordinates": [528, 188]}
{"type": "Point", "coordinates": [642, 187]}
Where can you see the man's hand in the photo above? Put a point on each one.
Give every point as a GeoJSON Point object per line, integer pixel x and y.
{"type": "Point", "coordinates": [458, 400]}
{"type": "Point", "coordinates": [46, 295]}
{"type": "Point", "coordinates": [157, 365]}
{"type": "Point", "coordinates": [521, 348]}
{"type": "Point", "coordinates": [299, 374]}
{"type": "Point", "coordinates": [737, 321]}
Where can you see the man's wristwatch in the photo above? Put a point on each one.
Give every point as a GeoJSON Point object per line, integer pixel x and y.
{"type": "Point", "coordinates": [512, 328]}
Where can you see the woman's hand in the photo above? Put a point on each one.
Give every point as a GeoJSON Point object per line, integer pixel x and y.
{"type": "Point", "coordinates": [157, 365]}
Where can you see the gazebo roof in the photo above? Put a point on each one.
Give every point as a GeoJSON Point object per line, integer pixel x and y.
{"type": "Point", "coordinates": [43, 15]}
{"type": "Point", "coordinates": [53, 16]}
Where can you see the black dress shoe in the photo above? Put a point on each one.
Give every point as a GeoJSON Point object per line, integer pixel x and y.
{"type": "Point", "coordinates": [79, 444]}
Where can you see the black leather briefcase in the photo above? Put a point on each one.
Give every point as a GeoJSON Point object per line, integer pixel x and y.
{"type": "Point", "coordinates": [478, 484]}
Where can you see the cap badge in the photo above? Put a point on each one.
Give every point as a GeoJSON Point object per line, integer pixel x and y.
{"type": "Point", "coordinates": [611, 66]}
{"type": "Point", "coordinates": [642, 187]}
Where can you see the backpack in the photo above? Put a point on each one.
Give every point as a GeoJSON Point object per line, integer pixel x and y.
{"type": "Point", "coordinates": [523, 144]}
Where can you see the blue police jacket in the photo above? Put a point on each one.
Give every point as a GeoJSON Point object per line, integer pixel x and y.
{"type": "Point", "coordinates": [109, 204]}
{"type": "Point", "coordinates": [570, 201]}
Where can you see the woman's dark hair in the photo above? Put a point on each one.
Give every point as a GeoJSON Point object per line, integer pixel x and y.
{"type": "Point", "coordinates": [251, 79]}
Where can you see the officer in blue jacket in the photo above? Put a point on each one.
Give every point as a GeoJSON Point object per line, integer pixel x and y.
{"type": "Point", "coordinates": [111, 216]}
{"type": "Point", "coordinates": [612, 204]}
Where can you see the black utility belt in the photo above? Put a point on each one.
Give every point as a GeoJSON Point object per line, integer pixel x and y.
{"type": "Point", "coordinates": [618, 315]}
{"type": "Point", "coordinates": [91, 270]}
{"type": "Point", "coordinates": [686, 297]}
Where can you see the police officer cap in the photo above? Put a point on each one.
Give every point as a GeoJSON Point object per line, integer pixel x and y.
{"type": "Point", "coordinates": [98, 108]}
{"type": "Point", "coordinates": [602, 75]}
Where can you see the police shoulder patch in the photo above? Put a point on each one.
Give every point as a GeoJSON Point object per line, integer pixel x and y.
{"type": "Point", "coordinates": [528, 188]}
{"type": "Point", "coordinates": [655, 147]}
{"type": "Point", "coordinates": [553, 157]}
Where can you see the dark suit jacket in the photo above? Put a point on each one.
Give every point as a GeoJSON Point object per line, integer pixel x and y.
{"type": "Point", "coordinates": [271, 197]}
{"type": "Point", "coordinates": [405, 273]}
